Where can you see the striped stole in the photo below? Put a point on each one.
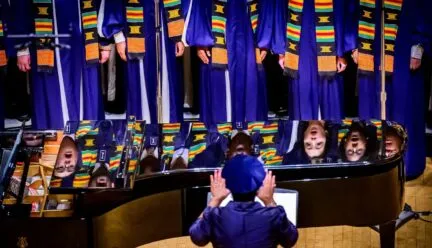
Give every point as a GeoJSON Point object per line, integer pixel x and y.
{"type": "Point", "coordinates": [199, 140]}
{"type": "Point", "coordinates": [175, 20]}
{"type": "Point", "coordinates": [169, 133]}
{"type": "Point", "coordinates": [3, 58]}
{"type": "Point", "coordinates": [44, 26]}
{"type": "Point", "coordinates": [219, 50]}
{"type": "Point", "coordinates": [392, 11]}
{"type": "Point", "coordinates": [135, 34]}
{"type": "Point", "coordinates": [344, 129]}
{"type": "Point", "coordinates": [89, 24]}
{"type": "Point", "coordinates": [254, 14]}
{"type": "Point", "coordinates": [267, 145]}
{"type": "Point", "coordinates": [325, 37]}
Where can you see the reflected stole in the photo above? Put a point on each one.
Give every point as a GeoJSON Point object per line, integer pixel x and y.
{"type": "Point", "coordinates": [135, 22]}
{"type": "Point", "coordinates": [3, 58]}
{"type": "Point", "coordinates": [43, 21]}
{"type": "Point", "coordinates": [219, 50]}
{"type": "Point", "coordinates": [325, 38]}
{"type": "Point", "coordinates": [89, 23]}
{"type": "Point", "coordinates": [392, 11]}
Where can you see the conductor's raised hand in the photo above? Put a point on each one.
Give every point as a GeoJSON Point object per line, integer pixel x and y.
{"type": "Point", "coordinates": [204, 54]}
{"type": "Point", "coordinates": [218, 187]}
{"type": "Point", "coordinates": [265, 193]}
{"type": "Point", "coordinates": [23, 63]}
{"type": "Point", "coordinates": [179, 49]}
{"type": "Point", "coordinates": [341, 64]}
{"type": "Point", "coordinates": [121, 50]}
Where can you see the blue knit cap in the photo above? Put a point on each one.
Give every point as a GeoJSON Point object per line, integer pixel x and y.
{"type": "Point", "coordinates": [243, 174]}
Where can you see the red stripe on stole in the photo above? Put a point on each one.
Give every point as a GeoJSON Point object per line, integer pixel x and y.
{"type": "Point", "coordinates": [367, 30]}
{"type": "Point", "coordinates": [293, 31]}
{"type": "Point", "coordinates": [325, 33]}
{"type": "Point", "coordinates": [390, 32]}
{"type": "Point", "coordinates": [44, 25]}
{"type": "Point", "coordinates": [135, 14]}
{"type": "Point", "coordinates": [93, 18]}
{"type": "Point", "coordinates": [395, 1]}
{"type": "Point", "coordinates": [219, 25]}
{"type": "Point", "coordinates": [323, 4]}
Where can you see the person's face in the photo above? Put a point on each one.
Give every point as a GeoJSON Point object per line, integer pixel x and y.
{"type": "Point", "coordinates": [315, 139]}
{"type": "Point", "coordinates": [355, 146]}
{"type": "Point", "coordinates": [392, 145]}
{"type": "Point", "coordinates": [67, 159]}
{"type": "Point", "coordinates": [101, 181]}
{"type": "Point", "coordinates": [32, 139]}
{"type": "Point", "coordinates": [241, 145]}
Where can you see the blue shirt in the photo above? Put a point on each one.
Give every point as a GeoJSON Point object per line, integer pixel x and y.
{"type": "Point", "coordinates": [244, 224]}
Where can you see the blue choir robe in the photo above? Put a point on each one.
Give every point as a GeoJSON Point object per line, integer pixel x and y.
{"type": "Point", "coordinates": [405, 92]}
{"type": "Point", "coordinates": [244, 224]}
{"type": "Point", "coordinates": [72, 90]}
{"type": "Point", "coordinates": [310, 97]}
{"type": "Point", "coordinates": [238, 93]}
{"type": "Point", "coordinates": [141, 76]}
{"type": "Point", "coordinates": [5, 17]}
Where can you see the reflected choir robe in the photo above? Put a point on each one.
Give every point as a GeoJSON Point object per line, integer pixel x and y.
{"type": "Point", "coordinates": [312, 97]}
{"type": "Point", "coordinates": [141, 78]}
{"type": "Point", "coordinates": [9, 52]}
{"type": "Point", "coordinates": [405, 96]}
{"type": "Point", "coordinates": [71, 91]}
{"type": "Point", "coordinates": [237, 93]}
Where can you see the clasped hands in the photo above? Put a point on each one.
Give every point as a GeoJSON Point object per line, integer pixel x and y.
{"type": "Point", "coordinates": [204, 54]}
{"type": "Point", "coordinates": [341, 63]}
{"type": "Point", "coordinates": [414, 63]}
{"type": "Point", "coordinates": [219, 190]}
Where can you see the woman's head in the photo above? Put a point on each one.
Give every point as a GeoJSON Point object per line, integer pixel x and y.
{"type": "Point", "coordinates": [67, 158]}
{"type": "Point", "coordinates": [315, 139]}
{"type": "Point", "coordinates": [393, 143]}
{"type": "Point", "coordinates": [357, 145]}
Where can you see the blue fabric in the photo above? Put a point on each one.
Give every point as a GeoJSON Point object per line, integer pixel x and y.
{"type": "Point", "coordinates": [246, 224]}
{"type": "Point", "coordinates": [309, 94]}
{"type": "Point", "coordinates": [247, 85]}
{"type": "Point", "coordinates": [47, 112]}
{"type": "Point", "coordinates": [405, 97]}
{"type": "Point", "coordinates": [243, 174]}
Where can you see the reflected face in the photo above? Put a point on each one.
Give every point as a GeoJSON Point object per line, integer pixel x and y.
{"type": "Point", "coordinates": [240, 145]}
{"type": "Point", "coordinates": [67, 158]}
{"type": "Point", "coordinates": [315, 139]}
{"type": "Point", "coordinates": [355, 146]}
{"type": "Point", "coordinates": [392, 145]}
{"type": "Point", "coordinates": [32, 139]}
{"type": "Point", "coordinates": [100, 178]}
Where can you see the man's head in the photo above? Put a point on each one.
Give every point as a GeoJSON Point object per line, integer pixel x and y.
{"type": "Point", "coordinates": [241, 144]}
{"type": "Point", "coordinates": [100, 177]}
{"type": "Point", "coordinates": [393, 143]}
{"type": "Point", "coordinates": [244, 175]}
{"type": "Point", "coordinates": [315, 139]}
{"type": "Point", "coordinates": [67, 158]}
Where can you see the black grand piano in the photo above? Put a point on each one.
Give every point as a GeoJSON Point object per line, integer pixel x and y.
{"type": "Point", "coordinates": [156, 178]}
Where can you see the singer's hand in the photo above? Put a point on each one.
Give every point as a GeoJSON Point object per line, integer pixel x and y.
{"type": "Point", "coordinates": [415, 64]}
{"type": "Point", "coordinates": [121, 50]}
{"type": "Point", "coordinates": [354, 55]}
{"type": "Point", "coordinates": [23, 63]}
{"type": "Point", "coordinates": [179, 49]}
{"type": "Point", "coordinates": [282, 61]}
{"type": "Point", "coordinates": [263, 55]}
{"type": "Point", "coordinates": [204, 54]}
{"type": "Point", "coordinates": [341, 64]}
{"type": "Point", "coordinates": [104, 56]}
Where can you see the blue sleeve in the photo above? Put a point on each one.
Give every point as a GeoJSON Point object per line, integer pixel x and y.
{"type": "Point", "coordinates": [288, 234]}
{"type": "Point", "coordinates": [200, 231]}
{"type": "Point", "coordinates": [351, 22]}
{"type": "Point", "coordinates": [423, 24]}
{"type": "Point", "coordinates": [279, 26]}
{"type": "Point", "coordinates": [199, 30]}
{"type": "Point", "coordinates": [112, 18]}
{"type": "Point", "coordinates": [265, 23]}
{"type": "Point", "coordinates": [21, 21]}
{"type": "Point", "coordinates": [339, 24]}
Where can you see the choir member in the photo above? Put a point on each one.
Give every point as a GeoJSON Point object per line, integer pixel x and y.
{"type": "Point", "coordinates": [309, 37]}
{"type": "Point", "coordinates": [232, 39]}
{"type": "Point", "coordinates": [132, 25]}
{"type": "Point", "coordinates": [64, 80]}
{"type": "Point", "coordinates": [406, 37]}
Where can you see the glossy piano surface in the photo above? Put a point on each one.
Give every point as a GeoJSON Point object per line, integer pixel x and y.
{"type": "Point", "coordinates": [347, 172]}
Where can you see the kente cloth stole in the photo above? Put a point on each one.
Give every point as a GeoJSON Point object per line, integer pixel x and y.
{"type": "Point", "coordinates": [174, 15]}
{"type": "Point", "coordinates": [344, 129]}
{"type": "Point", "coordinates": [199, 141]}
{"type": "Point", "coordinates": [135, 23]}
{"type": "Point", "coordinates": [267, 146]}
{"type": "Point", "coordinates": [169, 133]}
{"type": "Point", "coordinates": [219, 50]}
{"type": "Point", "coordinates": [325, 37]}
{"type": "Point", "coordinates": [44, 26]}
{"type": "Point", "coordinates": [3, 58]}
{"type": "Point", "coordinates": [392, 11]}
{"type": "Point", "coordinates": [89, 24]}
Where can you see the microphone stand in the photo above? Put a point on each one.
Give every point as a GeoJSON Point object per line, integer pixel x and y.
{"type": "Point", "coordinates": [158, 29]}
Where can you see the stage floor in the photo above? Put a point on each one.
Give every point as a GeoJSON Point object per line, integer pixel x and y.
{"type": "Point", "coordinates": [415, 233]}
